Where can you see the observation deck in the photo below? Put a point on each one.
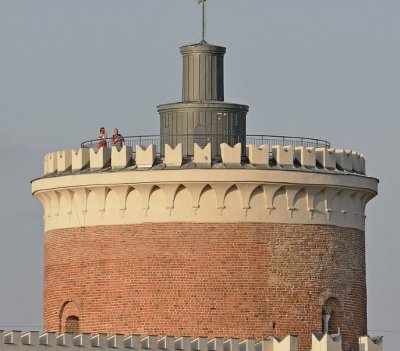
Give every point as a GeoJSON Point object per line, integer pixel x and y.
{"type": "Point", "coordinates": [188, 141]}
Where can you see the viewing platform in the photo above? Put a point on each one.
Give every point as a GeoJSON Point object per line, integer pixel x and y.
{"type": "Point", "coordinates": [205, 151]}
{"type": "Point", "coordinates": [188, 141]}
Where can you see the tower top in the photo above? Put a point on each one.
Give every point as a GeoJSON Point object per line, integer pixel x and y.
{"type": "Point", "coordinates": [203, 19]}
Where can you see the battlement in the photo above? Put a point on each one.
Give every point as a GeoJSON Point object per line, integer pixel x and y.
{"type": "Point", "coordinates": [17, 341]}
{"type": "Point", "coordinates": [284, 183]}
{"type": "Point", "coordinates": [300, 158]}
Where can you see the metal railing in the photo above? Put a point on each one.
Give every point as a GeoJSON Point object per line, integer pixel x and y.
{"type": "Point", "coordinates": [188, 141]}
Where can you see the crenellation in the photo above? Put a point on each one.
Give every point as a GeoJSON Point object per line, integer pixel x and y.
{"type": "Point", "coordinates": [215, 344]}
{"type": "Point", "coordinates": [231, 345]}
{"type": "Point", "coordinates": [231, 156]}
{"type": "Point", "coordinates": [31, 338]}
{"type": "Point", "coordinates": [64, 160]}
{"type": "Point", "coordinates": [99, 158]}
{"type": "Point", "coordinates": [358, 164]}
{"type": "Point", "coordinates": [368, 343]}
{"type": "Point", "coordinates": [50, 163]}
{"type": "Point", "coordinates": [326, 158]}
{"type": "Point", "coordinates": [283, 155]}
{"type": "Point", "coordinates": [99, 340]}
{"type": "Point", "coordinates": [133, 342]}
{"type": "Point", "coordinates": [115, 341]}
{"type": "Point", "coordinates": [80, 159]}
{"type": "Point", "coordinates": [258, 156]}
{"type": "Point", "coordinates": [13, 337]}
{"type": "Point", "coordinates": [65, 339]}
{"type": "Point", "coordinates": [166, 343]}
{"type": "Point", "coordinates": [363, 167]}
{"type": "Point", "coordinates": [199, 344]}
{"type": "Point", "coordinates": [289, 343]}
{"type": "Point", "coordinates": [149, 342]}
{"type": "Point", "coordinates": [183, 343]}
{"type": "Point", "coordinates": [122, 158]}
{"type": "Point", "coordinates": [305, 156]}
{"type": "Point", "coordinates": [247, 345]}
{"type": "Point", "coordinates": [145, 157]}
{"type": "Point", "coordinates": [82, 340]}
{"type": "Point", "coordinates": [344, 159]}
{"type": "Point", "coordinates": [326, 342]}
{"type": "Point", "coordinates": [48, 339]}
{"type": "Point", "coordinates": [173, 156]}
{"type": "Point", "coordinates": [202, 156]}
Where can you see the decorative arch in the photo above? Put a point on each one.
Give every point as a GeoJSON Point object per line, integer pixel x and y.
{"type": "Point", "coordinates": [332, 308]}
{"type": "Point", "coordinates": [69, 317]}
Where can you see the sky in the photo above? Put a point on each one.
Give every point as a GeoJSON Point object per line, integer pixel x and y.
{"type": "Point", "coordinates": [326, 69]}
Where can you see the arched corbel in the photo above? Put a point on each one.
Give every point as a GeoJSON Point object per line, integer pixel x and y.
{"type": "Point", "coordinates": [364, 200]}
{"type": "Point", "coordinates": [195, 190]}
{"type": "Point", "coordinates": [55, 202]}
{"type": "Point", "coordinates": [122, 192]}
{"type": "Point", "coordinates": [311, 194]}
{"type": "Point", "coordinates": [348, 197]}
{"type": "Point", "coordinates": [269, 194]}
{"type": "Point", "coordinates": [358, 202]}
{"type": "Point", "coordinates": [220, 190]}
{"type": "Point", "coordinates": [169, 191]}
{"type": "Point", "coordinates": [145, 190]}
{"type": "Point", "coordinates": [46, 203]}
{"type": "Point", "coordinates": [245, 190]}
{"type": "Point", "coordinates": [81, 197]}
{"type": "Point", "coordinates": [68, 196]}
{"type": "Point", "coordinates": [291, 192]}
{"type": "Point", "coordinates": [101, 194]}
{"type": "Point", "coordinates": [330, 193]}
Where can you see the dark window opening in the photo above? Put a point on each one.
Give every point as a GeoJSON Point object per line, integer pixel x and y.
{"type": "Point", "coordinates": [72, 325]}
{"type": "Point", "coordinates": [331, 315]}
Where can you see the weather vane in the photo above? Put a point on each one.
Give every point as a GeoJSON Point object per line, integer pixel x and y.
{"type": "Point", "coordinates": [203, 4]}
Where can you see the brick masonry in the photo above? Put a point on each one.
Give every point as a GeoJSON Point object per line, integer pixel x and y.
{"type": "Point", "coordinates": [243, 280]}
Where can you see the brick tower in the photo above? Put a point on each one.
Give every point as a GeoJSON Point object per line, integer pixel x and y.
{"type": "Point", "coordinates": [204, 230]}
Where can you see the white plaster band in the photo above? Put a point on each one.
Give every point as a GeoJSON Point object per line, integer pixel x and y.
{"type": "Point", "coordinates": [204, 195]}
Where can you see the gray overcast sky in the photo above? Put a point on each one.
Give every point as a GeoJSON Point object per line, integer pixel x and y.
{"type": "Point", "coordinates": [327, 69]}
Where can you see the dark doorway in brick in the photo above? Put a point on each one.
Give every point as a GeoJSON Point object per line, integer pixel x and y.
{"type": "Point", "coordinates": [333, 308]}
{"type": "Point", "coordinates": [72, 325]}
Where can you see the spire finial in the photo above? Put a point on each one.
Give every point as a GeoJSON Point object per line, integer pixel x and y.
{"type": "Point", "coordinates": [203, 32]}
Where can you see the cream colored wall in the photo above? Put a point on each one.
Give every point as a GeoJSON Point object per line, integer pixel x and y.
{"type": "Point", "coordinates": [204, 195]}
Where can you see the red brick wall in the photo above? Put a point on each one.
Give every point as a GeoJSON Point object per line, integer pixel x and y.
{"type": "Point", "coordinates": [245, 280]}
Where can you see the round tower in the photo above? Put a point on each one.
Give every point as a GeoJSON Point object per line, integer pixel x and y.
{"type": "Point", "coordinates": [208, 231]}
